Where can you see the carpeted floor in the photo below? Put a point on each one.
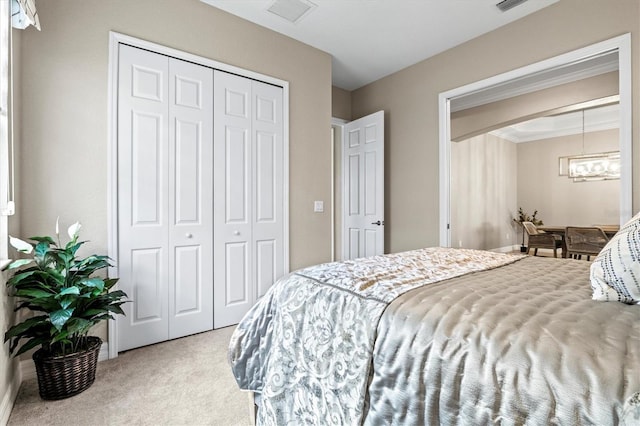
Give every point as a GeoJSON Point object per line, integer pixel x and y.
{"type": "Point", "coordinates": [181, 382]}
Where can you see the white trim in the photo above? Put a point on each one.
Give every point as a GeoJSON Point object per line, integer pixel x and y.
{"type": "Point", "coordinates": [501, 93]}
{"type": "Point", "coordinates": [112, 192]}
{"type": "Point", "coordinates": [28, 369]}
{"type": "Point", "coordinates": [622, 44]}
{"type": "Point", "coordinates": [444, 154]}
{"type": "Point", "coordinates": [506, 249]}
{"type": "Point", "coordinates": [112, 177]}
{"type": "Point", "coordinates": [9, 398]}
{"type": "Point", "coordinates": [335, 122]}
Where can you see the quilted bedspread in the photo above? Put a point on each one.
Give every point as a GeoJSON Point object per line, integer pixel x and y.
{"type": "Point", "coordinates": [440, 336]}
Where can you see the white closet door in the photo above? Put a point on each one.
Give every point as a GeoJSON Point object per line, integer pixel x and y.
{"type": "Point", "coordinates": [143, 186]}
{"type": "Point", "coordinates": [248, 183]}
{"type": "Point", "coordinates": [190, 198]}
{"type": "Point", "coordinates": [267, 192]}
{"type": "Point", "coordinates": [165, 192]}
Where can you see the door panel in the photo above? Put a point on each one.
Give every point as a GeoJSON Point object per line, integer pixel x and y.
{"type": "Point", "coordinates": [190, 198]}
{"type": "Point", "coordinates": [146, 163]}
{"type": "Point", "coordinates": [142, 200]}
{"type": "Point", "coordinates": [363, 187]}
{"type": "Point", "coordinates": [353, 176]}
{"type": "Point", "coordinates": [266, 190]}
{"type": "Point", "coordinates": [267, 187]}
{"type": "Point", "coordinates": [187, 281]}
{"type": "Point", "coordinates": [236, 282]}
{"type": "Point", "coordinates": [248, 175]}
{"type": "Point", "coordinates": [265, 265]}
{"type": "Point", "coordinates": [232, 178]}
{"type": "Point", "coordinates": [147, 285]}
{"type": "Point", "coordinates": [237, 174]}
{"type": "Point", "coordinates": [188, 171]}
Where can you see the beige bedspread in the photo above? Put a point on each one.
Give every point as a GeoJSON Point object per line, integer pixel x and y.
{"type": "Point", "coordinates": [523, 344]}
{"type": "Point", "coordinates": [518, 344]}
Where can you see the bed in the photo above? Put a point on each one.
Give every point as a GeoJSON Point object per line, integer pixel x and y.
{"type": "Point", "coordinates": [440, 336]}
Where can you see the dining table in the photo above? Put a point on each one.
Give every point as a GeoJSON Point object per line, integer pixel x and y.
{"type": "Point", "coordinates": [609, 230]}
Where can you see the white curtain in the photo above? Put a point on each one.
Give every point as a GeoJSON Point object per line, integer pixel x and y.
{"type": "Point", "coordinates": [24, 13]}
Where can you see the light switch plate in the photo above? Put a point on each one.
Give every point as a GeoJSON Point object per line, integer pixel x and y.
{"type": "Point", "coordinates": [318, 206]}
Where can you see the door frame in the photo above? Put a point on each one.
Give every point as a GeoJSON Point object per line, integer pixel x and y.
{"type": "Point", "coordinates": [336, 123]}
{"type": "Point", "coordinates": [621, 44]}
{"type": "Point", "coordinates": [115, 39]}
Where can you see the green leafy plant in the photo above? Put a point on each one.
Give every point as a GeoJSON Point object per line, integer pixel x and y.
{"type": "Point", "coordinates": [62, 292]}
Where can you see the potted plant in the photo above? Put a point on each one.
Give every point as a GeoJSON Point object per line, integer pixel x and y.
{"type": "Point", "coordinates": [67, 300]}
{"type": "Point", "coordinates": [524, 217]}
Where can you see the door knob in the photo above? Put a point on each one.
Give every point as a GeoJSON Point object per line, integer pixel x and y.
{"type": "Point", "coordinates": [378, 223]}
{"type": "Point", "coordinates": [236, 232]}
{"type": "Point", "coordinates": [189, 235]}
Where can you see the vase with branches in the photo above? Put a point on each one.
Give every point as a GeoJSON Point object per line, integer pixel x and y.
{"type": "Point", "coordinates": [524, 217]}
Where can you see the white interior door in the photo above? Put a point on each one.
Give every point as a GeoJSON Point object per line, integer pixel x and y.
{"type": "Point", "coordinates": [249, 187]}
{"type": "Point", "coordinates": [363, 187]}
{"type": "Point", "coordinates": [165, 190]}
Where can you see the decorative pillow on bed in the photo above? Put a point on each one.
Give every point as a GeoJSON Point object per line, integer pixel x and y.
{"type": "Point", "coordinates": [615, 273]}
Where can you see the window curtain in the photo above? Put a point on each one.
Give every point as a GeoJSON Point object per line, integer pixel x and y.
{"type": "Point", "coordinates": [24, 13]}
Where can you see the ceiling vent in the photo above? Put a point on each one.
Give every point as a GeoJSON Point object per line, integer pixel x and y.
{"type": "Point", "coordinates": [291, 10]}
{"type": "Point", "coordinates": [505, 5]}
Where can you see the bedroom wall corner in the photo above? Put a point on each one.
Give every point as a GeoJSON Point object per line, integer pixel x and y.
{"type": "Point", "coordinates": [341, 103]}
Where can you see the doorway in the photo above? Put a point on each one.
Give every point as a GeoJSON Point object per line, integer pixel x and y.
{"type": "Point", "coordinates": [508, 82]}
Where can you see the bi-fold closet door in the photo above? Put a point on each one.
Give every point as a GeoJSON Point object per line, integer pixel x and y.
{"type": "Point", "coordinates": [167, 133]}
{"type": "Point", "coordinates": [249, 205]}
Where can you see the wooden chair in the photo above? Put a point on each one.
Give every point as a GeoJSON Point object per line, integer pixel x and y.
{"type": "Point", "coordinates": [540, 239]}
{"type": "Point", "coordinates": [584, 240]}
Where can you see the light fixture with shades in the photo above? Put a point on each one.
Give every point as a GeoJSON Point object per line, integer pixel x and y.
{"type": "Point", "coordinates": [604, 165]}
{"type": "Point", "coordinates": [590, 167]}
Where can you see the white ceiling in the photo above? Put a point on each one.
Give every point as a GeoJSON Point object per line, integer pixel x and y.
{"type": "Point", "coordinates": [370, 39]}
{"type": "Point", "coordinates": [572, 123]}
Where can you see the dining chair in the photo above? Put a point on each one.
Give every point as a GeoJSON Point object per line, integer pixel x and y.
{"type": "Point", "coordinates": [540, 239]}
{"type": "Point", "coordinates": [584, 240]}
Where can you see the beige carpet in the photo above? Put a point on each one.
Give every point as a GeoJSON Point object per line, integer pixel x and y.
{"type": "Point", "coordinates": [181, 382]}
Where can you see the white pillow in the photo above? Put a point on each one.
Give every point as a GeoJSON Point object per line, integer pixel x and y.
{"type": "Point", "coordinates": [615, 273]}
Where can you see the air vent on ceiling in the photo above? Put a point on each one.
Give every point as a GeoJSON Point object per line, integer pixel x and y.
{"type": "Point", "coordinates": [505, 5]}
{"type": "Point", "coordinates": [291, 10]}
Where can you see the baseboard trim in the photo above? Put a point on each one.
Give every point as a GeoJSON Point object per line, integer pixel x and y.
{"type": "Point", "coordinates": [506, 249]}
{"type": "Point", "coordinates": [9, 398]}
{"type": "Point", "coordinates": [28, 368]}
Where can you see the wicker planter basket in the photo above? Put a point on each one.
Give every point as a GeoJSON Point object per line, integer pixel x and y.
{"type": "Point", "coordinates": [60, 377]}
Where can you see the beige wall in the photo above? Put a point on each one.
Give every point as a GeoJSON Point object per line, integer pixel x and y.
{"type": "Point", "coordinates": [65, 94]}
{"type": "Point", "coordinates": [558, 199]}
{"type": "Point", "coordinates": [410, 98]}
{"type": "Point", "coordinates": [340, 103]}
{"type": "Point", "coordinates": [484, 169]}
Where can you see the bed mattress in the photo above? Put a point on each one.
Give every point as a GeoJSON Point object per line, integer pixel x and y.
{"type": "Point", "coordinates": [521, 343]}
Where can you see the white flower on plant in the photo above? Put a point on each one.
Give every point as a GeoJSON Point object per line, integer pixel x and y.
{"type": "Point", "coordinates": [73, 230]}
{"type": "Point", "coordinates": [21, 246]}
{"type": "Point", "coordinates": [58, 225]}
